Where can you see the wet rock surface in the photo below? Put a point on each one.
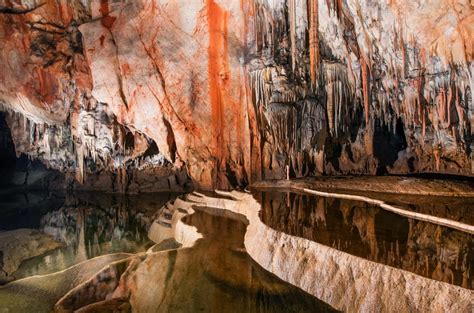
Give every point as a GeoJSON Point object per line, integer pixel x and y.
{"type": "Point", "coordinates": [392, 185]}
{"type": "Point", "coordinates": [40, 293]}
{"type": "Point", "coordinates": [156, 94]}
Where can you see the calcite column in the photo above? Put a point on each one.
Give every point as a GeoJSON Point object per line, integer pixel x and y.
{"type": "Point", "coordinates": [313, 41]}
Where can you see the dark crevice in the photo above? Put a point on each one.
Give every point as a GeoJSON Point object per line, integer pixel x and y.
{"type": "Point", "coordinates": [10, 10]}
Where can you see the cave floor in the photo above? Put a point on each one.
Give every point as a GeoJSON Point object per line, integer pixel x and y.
{"type": "Point", "coordinates": [396, 185]}
{"type": "Point", "coordinates": [198, 246]}
{"type": "Point", "coordinates": [445, 198]}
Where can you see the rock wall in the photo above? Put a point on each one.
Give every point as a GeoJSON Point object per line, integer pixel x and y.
{"type": "Point", "coordinates": [230, 92]}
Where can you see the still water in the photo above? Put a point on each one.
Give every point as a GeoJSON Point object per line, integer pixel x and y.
{"type": "Point", "coordinates": [217, 274]}
{"type": "Point", "coordinates": [86, 224]}
{"type": "Point", "coordinates": [377, 235]}
{"type": "Point", "coordinates": [214, 275]}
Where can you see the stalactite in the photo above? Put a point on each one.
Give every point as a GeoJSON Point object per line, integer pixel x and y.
{"type": "Point", "coordinates": [314, 57]}
{"type": "Point", "coordinates": [459, 109]}
{"type": "Point", "coordinates": [442, 105]}
{"type": "Point", "coordinates": [292, 17]}
{"type": "Point", "coordinates": [365, 88]}
{"type": "Point", "coordinates": [448, 104]}
{"type": "Point", "coordinates": [339, 91]}
{"type": "Point", "coordinates": [404, 55]}
{"type": "Point", "coordinates": [423, 118]}
{"type": "Point", "coordinates": [260, 84]}
{"type": "Point", "coordinates": [80, 172]}
{"type": "Point", "coordinates": [330, 105]}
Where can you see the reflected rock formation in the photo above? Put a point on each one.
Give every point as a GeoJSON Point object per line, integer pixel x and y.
{"type": "Point", "coordinates": [369, 232]}
{"type": "Point", "coordinates": [232, 253]}
{"type": "Point", "coordinates": [345, 281]}
{"type": "Point", "coordinates": [215, 274]}
{"type": "Point", "coordinates": [84, 226]}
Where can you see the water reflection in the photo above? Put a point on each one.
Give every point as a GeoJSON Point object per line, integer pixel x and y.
{"type": "Point", "coordinates": [374, 234]}
{"type": "Point", "coordinates": [215, 275]}
{"type": "Point", "coordinates": [90, 225]}
{"type": "Point", "coordinates": [454, 208]}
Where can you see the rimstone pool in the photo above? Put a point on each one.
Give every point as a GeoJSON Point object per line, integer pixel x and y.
{"type": "Point", "coordinates": [170, 252]}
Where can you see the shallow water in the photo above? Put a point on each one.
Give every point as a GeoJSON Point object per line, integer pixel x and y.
{"type": "Point", "coordinates": [215, 275]}
{"type": "Point", "coordinates": [87, 224]}
{"type": "Point", "coordinates": [377, 235]}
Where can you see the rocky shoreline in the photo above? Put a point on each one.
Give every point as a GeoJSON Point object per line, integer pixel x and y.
{"type": "Point", "coordinates": [344, 281]}
{"type": "Point", "coordinates": [379, 184]}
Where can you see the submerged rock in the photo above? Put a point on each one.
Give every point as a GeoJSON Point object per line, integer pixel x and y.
{"type": "Point", "coordinates": [19, 245]}
{"type": "Point", "coordinates": [348, 283]}
{"type": "Point", "coordinates": [38, 294]}
{"type": "Point", "coordinates": [213, 275]}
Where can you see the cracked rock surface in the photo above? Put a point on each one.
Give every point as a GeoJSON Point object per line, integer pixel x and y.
{"type": "Point", "coordinates": [224, 93]}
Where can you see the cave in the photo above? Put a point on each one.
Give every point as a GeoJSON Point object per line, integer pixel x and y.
{"type": "Point", "coordinates": [7, 153]}
{"type": "Point", "coordinates": [236, 156]}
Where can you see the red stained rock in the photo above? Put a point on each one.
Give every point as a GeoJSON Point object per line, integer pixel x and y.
{"type": "Point", "coordinates": [224, 89]}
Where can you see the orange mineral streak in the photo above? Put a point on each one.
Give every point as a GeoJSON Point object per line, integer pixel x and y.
{"type": "Point", "coordinates": [107, 20]}
{"type": "Point", "coordinates": [253, 161]}
{"type": "Point", "coordinates": [314, 42]}
{"type": "Point", "coordinates": [65, 12]}
{"type": "Point", "coordinates": [218, 74]}
{"type": "Point", "coordinates": [365, 87]}
{"type": "Point", "coordinates": [423, 119]}
{"type": "Point", "coordinates": [46, 85]}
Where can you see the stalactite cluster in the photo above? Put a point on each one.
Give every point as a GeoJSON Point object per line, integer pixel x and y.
{"type": "Point", "coordinates": [323, 86]}
{"type": "Point", "coordinates": [404, 85]}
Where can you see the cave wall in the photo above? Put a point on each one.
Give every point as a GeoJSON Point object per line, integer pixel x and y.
{"type": "Point", "coordinates": [230, 92]}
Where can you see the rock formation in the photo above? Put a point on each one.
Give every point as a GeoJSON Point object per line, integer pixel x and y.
{"type": "Point", "coordinates": [209, 242]}
{"type": "Point", "coordinates": [344, 281]}
{"type": "Point", "coordinates": [230, 92]}
{"type": "Point", "coordinates": [19, 245]}
{"type": "Point", "coordinates": [371, 233]}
